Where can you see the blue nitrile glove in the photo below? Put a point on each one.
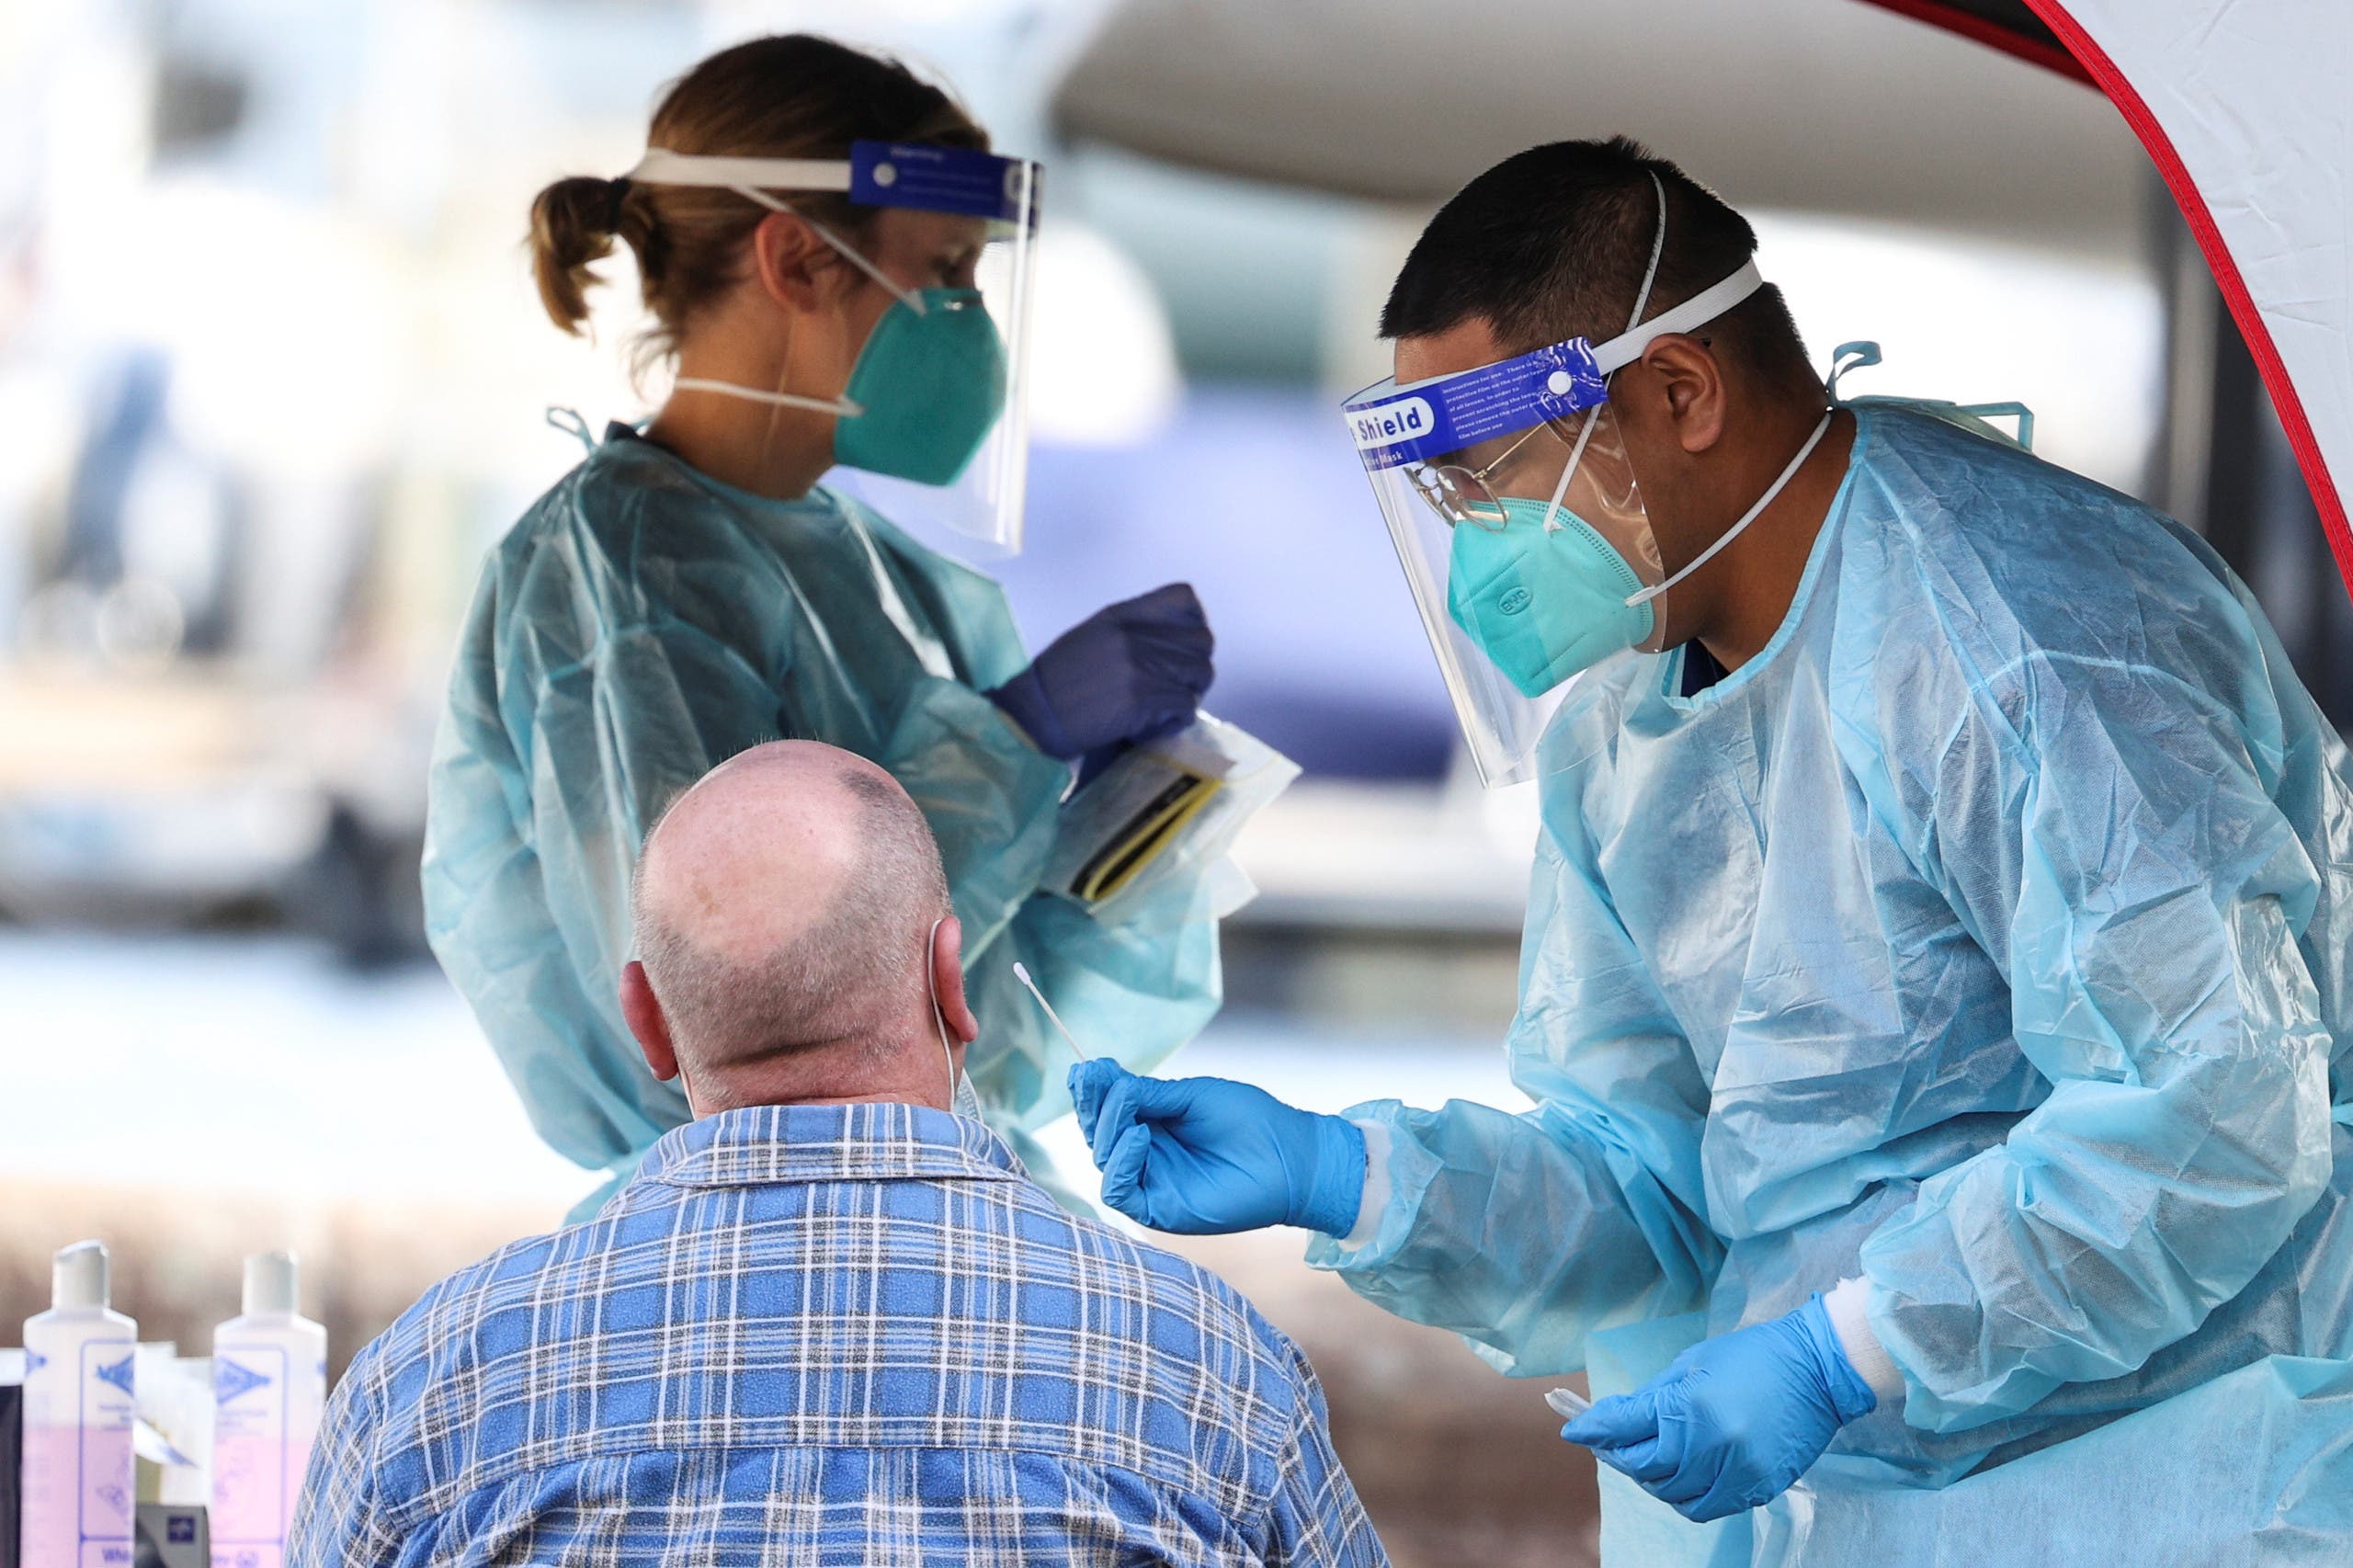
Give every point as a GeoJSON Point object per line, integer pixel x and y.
{"type": "Point", "coordinates": [1734, 1420]}
{"type": "Point", "coordinates": [1202, 1156]}
{"type": "Point", "coordinates": [1132, 671]}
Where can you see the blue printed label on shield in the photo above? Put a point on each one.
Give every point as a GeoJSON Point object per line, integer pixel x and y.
{"type": "Point", "coordinates": [1438, 419]}
{"type": "Point", "coordinates": [943, 179]}
{"type": "Point", "coordinates": [1385, 425]}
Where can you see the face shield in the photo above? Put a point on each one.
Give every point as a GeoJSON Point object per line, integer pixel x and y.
{"type": "Point", "coordinates": [933, 420]}
{"type": "Point", "coordinates": [1519, 522]}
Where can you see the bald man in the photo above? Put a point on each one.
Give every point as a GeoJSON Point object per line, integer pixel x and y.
{"type": "Point", "coordinates": [795, 939]}
{"type": "Point", "coordinates": [830, 1320]}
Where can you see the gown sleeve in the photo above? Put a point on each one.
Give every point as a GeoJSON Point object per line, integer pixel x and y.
{"type": "Point", "coordinates": [593, 686]}
{"type": "Point", "coordinates": [2104, 831]}
{"type": "Point", "coordinates": [600, 726]}
{"type": "Point", "coordinates": [1526, 1232]}
{"type": "Point", "coordinates": [1134, 987]}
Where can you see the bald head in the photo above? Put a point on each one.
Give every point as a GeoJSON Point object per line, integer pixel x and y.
{"type": "Point", "coordinates": [784, 910]}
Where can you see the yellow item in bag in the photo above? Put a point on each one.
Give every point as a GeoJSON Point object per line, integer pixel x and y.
{"type": "Point", "coordinates": [1159, 819]}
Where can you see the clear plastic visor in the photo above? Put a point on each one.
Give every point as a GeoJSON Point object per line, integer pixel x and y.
{"type": "Point", "coordinates": [986, 503]}
{"type": "Point", "coordinates": [1507, 482]}
{"type": "Point", "coordinates": [1526, 444]}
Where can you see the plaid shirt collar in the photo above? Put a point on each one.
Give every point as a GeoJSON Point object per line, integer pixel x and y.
{"type": "Point", "coordinates": [756, 1145]}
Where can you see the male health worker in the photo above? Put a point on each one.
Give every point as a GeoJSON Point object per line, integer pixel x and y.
{"type": "Point", "coordinates": [1935, 965]}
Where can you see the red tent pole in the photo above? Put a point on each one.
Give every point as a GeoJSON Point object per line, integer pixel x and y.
{"type": "Point", "coordinates": [2034, 52]}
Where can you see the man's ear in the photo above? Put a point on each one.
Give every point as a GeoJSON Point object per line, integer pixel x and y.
{"type": "Point", "coordinates": [1686, 383]}
{"type": "Point", "coordinates": [642, 1010]}
{"type": "Point", "coordinates": [948, 982]}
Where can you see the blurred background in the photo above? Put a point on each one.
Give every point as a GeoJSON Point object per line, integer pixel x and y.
{"type": "Point", "coordinates": [273, 376]}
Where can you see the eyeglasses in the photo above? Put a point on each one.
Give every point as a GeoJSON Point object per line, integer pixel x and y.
{"type": "Point", "coordinates": [1461, 494]}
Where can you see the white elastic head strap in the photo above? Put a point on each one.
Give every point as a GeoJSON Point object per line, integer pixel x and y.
{"type": "Point", "coordinates": [1697, 311]}
{"type": "Point", "coordinates": [1593, 415]}
{"type": "Point", "coordinates": [1627, 347]}
{"type": "Point", "coordinates": [1658, 247]}
{"type": "Point", "coordinates": [662, 167]}
{"type": "Point", "coordinates": [745, 177]}
{"type": "Point", "coordinates": [1692, 313]}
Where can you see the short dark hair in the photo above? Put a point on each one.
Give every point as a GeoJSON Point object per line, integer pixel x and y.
{"type": "Point", "coordinates": [1552, 244]}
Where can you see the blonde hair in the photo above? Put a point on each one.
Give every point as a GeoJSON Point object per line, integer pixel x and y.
{"type": "Point", "coordinates": [790, 95]}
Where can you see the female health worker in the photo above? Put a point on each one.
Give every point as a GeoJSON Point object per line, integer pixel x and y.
{"type": "Point", "coordinates": [809, 225]}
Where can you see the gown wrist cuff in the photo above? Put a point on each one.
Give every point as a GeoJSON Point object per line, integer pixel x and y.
{"type": "Point", "coordinates": [1851, 1323]}
{"type": "Point", "coordinates": [1374, 1197]}
{"type": "Point", "coordinates": [1338, 1192]}
{"type": "Point", "coordinates": [1022, 700]}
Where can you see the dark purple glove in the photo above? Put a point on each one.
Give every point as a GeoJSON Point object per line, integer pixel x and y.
{"type": "Point", "coordinates": [1132, 671]}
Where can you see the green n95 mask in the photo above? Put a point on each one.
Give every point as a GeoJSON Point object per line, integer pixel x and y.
{"type": "Point", "coordinates": [1544, 596]}
{"type": "Point", "coordinates": [926, 389]}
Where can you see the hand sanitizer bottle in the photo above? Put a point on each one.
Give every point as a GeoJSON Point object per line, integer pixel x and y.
{"type": "Point", "coordinates": [79, 1402]}
{"type": "Point", "coordinates": [269, 1379]}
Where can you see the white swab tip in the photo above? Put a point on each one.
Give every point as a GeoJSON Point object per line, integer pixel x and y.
{"type": "Point", "coordinates": [1021, 973]}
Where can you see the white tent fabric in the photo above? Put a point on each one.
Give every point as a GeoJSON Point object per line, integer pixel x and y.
{"type": "Point", "coordinates": [1800, 105]}
{"type": "Point", "coordinates": [2247, 111]}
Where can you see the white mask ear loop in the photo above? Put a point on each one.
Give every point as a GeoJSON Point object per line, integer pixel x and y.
{"type": "Point", "coordinates": [1552, 523]}
{"type": "Point", "coordinates": [906, 296]}
{"type": "Point", "coordinates": [938, 1018]}
{"type": "Point", "coordinates": [1642, 298]}
{"type": "Point", "coordinates": [1820, 428]}
{"type": "Point", "coordinates": [842, 407]}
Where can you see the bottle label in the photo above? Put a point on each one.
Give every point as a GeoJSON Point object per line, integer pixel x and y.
{"type": "Point", "coordinates": [78, 1500]}
{"type": "Point", "coordinates": [262, 1427]}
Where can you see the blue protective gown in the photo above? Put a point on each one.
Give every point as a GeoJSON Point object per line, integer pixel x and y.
{"type": "Point", "coordinates": [1986, 936]}
{"type": "Point", "coordinates": [642, 624]}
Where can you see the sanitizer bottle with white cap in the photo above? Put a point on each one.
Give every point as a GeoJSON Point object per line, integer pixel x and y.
{"type": "Point", "coordinates": [269, 1379]}
{"type": "Point", "coordinates": [79, 1402]}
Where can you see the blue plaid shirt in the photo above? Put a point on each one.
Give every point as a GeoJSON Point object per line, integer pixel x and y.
{"type": "Point", "coordinates": [845, 1334]}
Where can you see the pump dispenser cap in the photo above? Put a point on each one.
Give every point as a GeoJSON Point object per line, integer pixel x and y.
{"type": "Point", "coordinates": [78, 1281]}
{"type": "Point", "coordinates": [269, 1284]}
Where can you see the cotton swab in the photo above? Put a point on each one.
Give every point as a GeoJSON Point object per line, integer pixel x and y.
{"type": "Point", "coordinates": [1021, 973]}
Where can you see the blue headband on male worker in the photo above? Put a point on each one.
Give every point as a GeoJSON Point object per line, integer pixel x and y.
{"type": "Point", "coordinates": [1443, 415]}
